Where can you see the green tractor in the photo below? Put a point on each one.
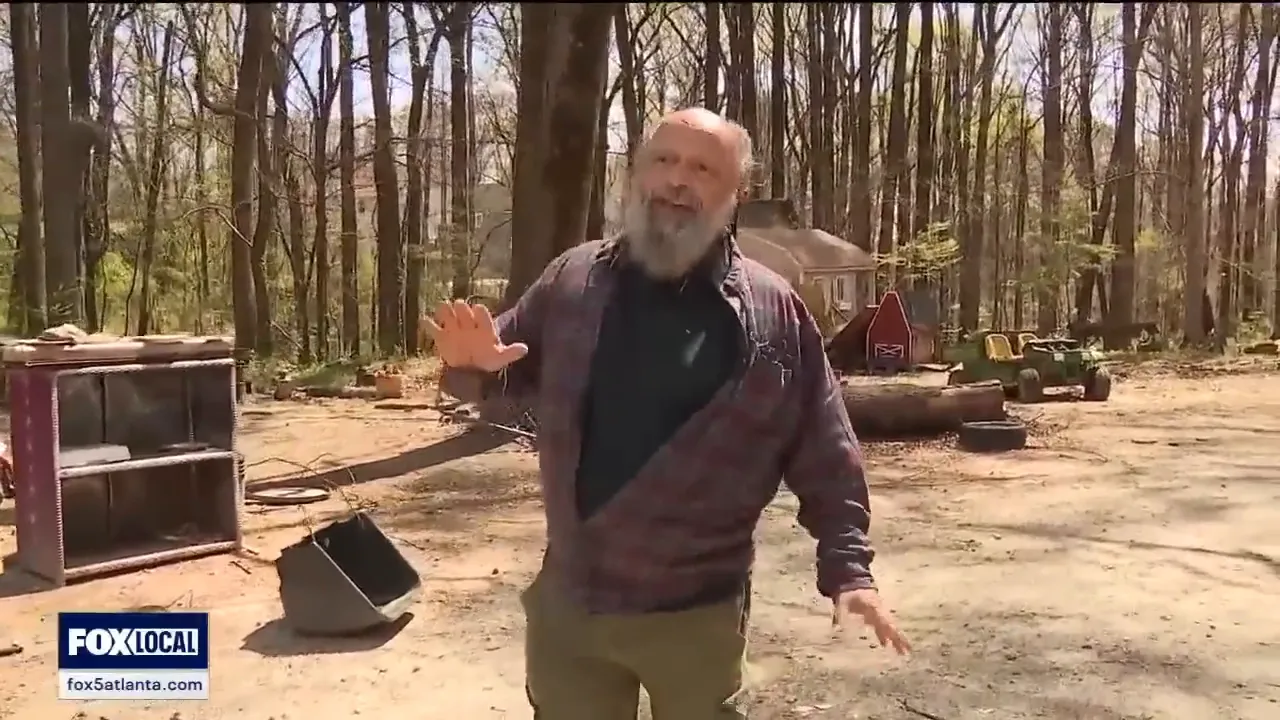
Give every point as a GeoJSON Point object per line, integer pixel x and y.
{"type": "Point", "coordinates": [1028, 365]}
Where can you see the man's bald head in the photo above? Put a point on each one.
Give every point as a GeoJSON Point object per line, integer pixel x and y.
{"type": "Point", "coordinates": [685, 183]}
{"type": "Point", "coordinates": [734, 138]}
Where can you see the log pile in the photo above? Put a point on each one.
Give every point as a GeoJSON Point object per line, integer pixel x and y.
{"type": "Point", "coordinates": [904, 410]}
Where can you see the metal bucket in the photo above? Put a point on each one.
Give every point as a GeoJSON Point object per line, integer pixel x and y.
{"type": "Point", "coordinates": [344, 579]}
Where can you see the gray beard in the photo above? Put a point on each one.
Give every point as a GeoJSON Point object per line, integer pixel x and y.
{"type": "Point", "coordinates": [663, 248]}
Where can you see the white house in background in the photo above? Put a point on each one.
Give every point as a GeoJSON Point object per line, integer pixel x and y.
{"type": "Point", "coordinates": [843, 271]}
{"type": "Point", "coordinates": [491, 218]}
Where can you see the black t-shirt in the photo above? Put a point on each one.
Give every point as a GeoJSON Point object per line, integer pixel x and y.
{"type": "Point", "coordinates": [664, 350]}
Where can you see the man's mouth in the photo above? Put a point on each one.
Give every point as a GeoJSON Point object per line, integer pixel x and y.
{"type": "Point", "coordinates": [666, 204]}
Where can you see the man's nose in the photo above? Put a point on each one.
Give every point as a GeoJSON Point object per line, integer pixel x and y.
{"type": "Point", "coordinates": [678, 189]}
{"type": "Point", "coordinates": [678, 175]}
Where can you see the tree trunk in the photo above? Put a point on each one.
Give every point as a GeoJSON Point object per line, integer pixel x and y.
{"type": "Point", "coordinates": [628, 75]}
{"type": "Point", "coordinates": [61, 186]}
{"type": "Point", "coordinates": [1255, 214]}
{"type": "Point", "coordinates": [990, 32]}
{"type": "Point", "coordinates": [1121, 306]}
{"type": "Point", "coordinates": [861, 220]}
{"type": "Point", "coordinates": [924, 128]}
{"type": "Point", "coordinates": [460, 151]}
{"type": "Point", "coordinates": [29, 272]}
{"type": "Point", "coordinates": [564, 52]}
{"type": "Point", "coordinates": [155, 179]}
{"type": "Point", "coordinates": [778, 102]}
{"type": "Point", "coordinates": [1192, 101]}
{"type": "Point", "coordinates": [714, 60]}
{"type": "Point", "coordinates": [1232, 160]}
{"type": "Point", "coordinates": [1050, 185]}
{"type": "Point", "coordinates": [743, 48]}
{"type": "Point", "coordinates": [390, 258]}
{"type": "Point", "coordinates": [244, 142]}
{"type": "Point", "coordinates": [1021, 197]}
{"type": "Point", "coordinates": [265, 227]}
{"type": "Point", "coordinates": [821, 170]}
{"type": "Point", "coordinates": [896, 149]}
{"type": "Point", "coordinates": [286, 178]}
{"type": "Point", "coordinates": [97, 230]}
{"type": "Point", "coordinates": [326, 93]}
{"type": "Point", "coordinates": [420, 74]}
{"type": "Point", "coordinates": [347, 181]}
{"type": "Point", "coordinates": [79, 51]}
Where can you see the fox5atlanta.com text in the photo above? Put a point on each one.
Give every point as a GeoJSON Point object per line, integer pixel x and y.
{"type": "Point", "coordinates": [133, 656]}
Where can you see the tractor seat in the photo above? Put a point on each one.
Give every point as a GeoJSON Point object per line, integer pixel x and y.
{"type": "Point", "coordinates": [998, 348]}
{"type": "Point", "coordinates": [1024, 338]}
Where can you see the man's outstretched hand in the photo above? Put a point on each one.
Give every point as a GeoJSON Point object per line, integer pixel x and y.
{"type": "Point", "coordinates": [466, 336]}
{"type": "Point", "coordinates": [865, 605]}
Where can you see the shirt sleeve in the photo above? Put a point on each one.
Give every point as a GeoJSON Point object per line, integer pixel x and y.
{"type": "Point", "coordinates": [823, 467]}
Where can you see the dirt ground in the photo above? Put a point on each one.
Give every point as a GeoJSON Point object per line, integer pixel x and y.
{"type": "Point", "coordinates": [1121, 567]}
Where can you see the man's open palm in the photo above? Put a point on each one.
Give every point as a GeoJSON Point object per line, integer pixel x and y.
{"type": "Point", "coordinates": [466, 336]}
{"type": "Point", "coordinates": [865, 604]}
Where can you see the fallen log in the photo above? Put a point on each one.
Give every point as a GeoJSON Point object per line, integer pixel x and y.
{"type": "Point", "coordinates": [875, 410]}
{"type": "Point", "coordinates": [900, 409]}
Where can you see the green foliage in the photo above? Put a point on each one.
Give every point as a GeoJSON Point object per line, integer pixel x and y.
{"type": "Point", "coordinates": [264, 372]}
{"type": "Point", "coordinates": [931, 253]}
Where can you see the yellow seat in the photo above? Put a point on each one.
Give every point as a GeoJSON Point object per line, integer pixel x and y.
{"type": "Point", "coordinates": [1023, 339]}
{"type": "Point", "coordinates": [998, 348]}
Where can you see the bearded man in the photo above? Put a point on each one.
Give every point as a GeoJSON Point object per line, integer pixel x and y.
{"type": "Point", "coordinates": [676, 384]}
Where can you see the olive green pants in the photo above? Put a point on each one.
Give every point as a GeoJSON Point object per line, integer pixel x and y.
{"type": "Point", "coordinates": [591, 667]}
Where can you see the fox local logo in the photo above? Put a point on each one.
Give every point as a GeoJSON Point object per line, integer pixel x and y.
{"type": "Point", "coordinates": [133, 641]}
{"type": "Point", "coordinates": [133, 656]}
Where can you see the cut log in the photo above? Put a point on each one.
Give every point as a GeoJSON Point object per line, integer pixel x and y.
{"type": "Point", "coordinates": [902, 410]}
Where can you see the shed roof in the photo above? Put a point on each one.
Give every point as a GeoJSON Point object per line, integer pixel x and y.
{"type": "Point", "coordinates": [777, 221]}
{"type": "Point", "coordinates": [816, 250]}
{"type": "Point", "coordinates": [771, 256]}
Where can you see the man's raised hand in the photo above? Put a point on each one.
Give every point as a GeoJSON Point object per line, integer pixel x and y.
{"type": "Point", "coordinates": [466, 336]}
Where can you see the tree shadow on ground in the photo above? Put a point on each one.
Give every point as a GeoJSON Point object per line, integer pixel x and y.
{"type": "Point", "coordinates": [450, 523]}
{"type": "Point", "coordinates": [442, 511]}
{"type": "Point", "coordinates": [1051, 532]}
{"type": "Point", "coordinates": [472, 442]}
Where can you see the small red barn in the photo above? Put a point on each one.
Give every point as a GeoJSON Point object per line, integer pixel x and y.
{"type": "Point", "coordinates": [847, 350]}
{"type": "Point", "coordinates": [889, 342]}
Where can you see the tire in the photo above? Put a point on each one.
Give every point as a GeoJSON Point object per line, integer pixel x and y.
{"type": "Point", "coordinates": [1030, 388]}
{"type": "Point", "coordinates": [1097, 385]}
{"type": "Point", "coordinates": [992, 436]}
{"type": "Point", "coordinates": [287, 496]}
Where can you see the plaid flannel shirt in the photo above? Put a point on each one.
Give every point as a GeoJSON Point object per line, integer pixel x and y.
{"type": "Point", "coordinates": [684, 524]}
